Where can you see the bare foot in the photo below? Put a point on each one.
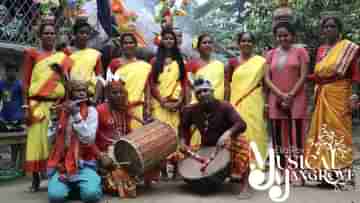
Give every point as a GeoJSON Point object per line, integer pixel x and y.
{"type": "Point", "coordinates": [244, 195]}
{"type": "Point", "coordinates": [35, 185]}
{"type": "Point", "coordinates": [242, 190]}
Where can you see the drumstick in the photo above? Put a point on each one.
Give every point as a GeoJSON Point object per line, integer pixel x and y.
{"type": "Point", "coordinates": [212, 157]}
{"type": "Point", "coordinates": [195, 156]}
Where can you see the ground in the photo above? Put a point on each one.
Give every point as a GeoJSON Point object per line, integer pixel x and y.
{"type": "Point", "coordinates": [177, 192]}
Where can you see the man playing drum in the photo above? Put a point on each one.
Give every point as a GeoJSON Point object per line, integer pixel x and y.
{"type": "Point", "coordinates": [114, 122]}
{"type": "Point", "coordinates": [219, 125]}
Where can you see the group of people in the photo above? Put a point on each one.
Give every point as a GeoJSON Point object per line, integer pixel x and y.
{"type": "Point", "coordinates": [207, 102]}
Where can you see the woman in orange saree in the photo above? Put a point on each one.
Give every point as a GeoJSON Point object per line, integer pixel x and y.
{"type": "Point", "coordinates": [42, 89]}
{"type": "Point", "coordinates": [329, 142]}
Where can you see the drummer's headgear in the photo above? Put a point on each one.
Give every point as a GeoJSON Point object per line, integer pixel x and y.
{"type": "Point", "coordinates": [117, 82]}
{"type": "Point", "coordinates": [201, 84]}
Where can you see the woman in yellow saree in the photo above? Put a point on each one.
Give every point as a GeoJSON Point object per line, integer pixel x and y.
{"type": "Point", "coordinates": [246, 74]}
{"type": "Point", "coordinates": [207, 68]}
{"type": "Point", "coordinates": [135, 73]}
{"type": "Point", "coordinates": [86, 61]}
{"type": "Point", "coordinates": [42, 88]}
{"type": "Point", "coordinates": [329, 143]}
{"type": "Point", "coordinates": [168, 83]}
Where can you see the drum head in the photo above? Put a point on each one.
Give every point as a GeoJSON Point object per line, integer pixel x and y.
{"type": "Point", "coordinates": [125, 151]}
{"type": "Point", "coordinates": [190, 169]}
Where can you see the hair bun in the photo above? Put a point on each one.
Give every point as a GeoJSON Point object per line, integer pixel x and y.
{"type": "Point", "coordinates": [48, 19]}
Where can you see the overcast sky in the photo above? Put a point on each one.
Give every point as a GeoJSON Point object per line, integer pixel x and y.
{"type": "Point", "coordinates": [201, 1]}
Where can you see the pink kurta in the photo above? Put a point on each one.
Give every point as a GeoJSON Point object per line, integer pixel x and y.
{"type": "Point", "coordinates": [285, 79]}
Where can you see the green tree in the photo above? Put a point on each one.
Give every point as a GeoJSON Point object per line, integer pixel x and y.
{"type": "Point", "coordinates": [221, 18]}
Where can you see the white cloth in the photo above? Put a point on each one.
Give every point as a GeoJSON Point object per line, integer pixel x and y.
{"type": "Point", "coordinates": [85, 128]}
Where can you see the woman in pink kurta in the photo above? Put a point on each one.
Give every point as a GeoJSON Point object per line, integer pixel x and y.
{"type": "Point", "coordinates": [285, 76]}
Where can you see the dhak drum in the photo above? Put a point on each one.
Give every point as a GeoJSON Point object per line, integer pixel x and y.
{"type": "Point", "coordinates": [146, 147]}
{"type": "Point", "coordinates": [214, 174]}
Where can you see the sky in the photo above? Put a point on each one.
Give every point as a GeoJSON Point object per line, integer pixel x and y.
{"type": "Point", "coordinates": [201, 1]}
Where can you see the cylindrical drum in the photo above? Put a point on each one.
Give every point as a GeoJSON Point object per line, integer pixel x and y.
{"type": "Point", "coordinates": [213, 176]}
{"type": "Point", "coordinates": [146, 147]}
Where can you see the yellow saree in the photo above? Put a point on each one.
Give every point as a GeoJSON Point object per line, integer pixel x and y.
{"type": "Point", "coordinates": [45, 88]}
{"type": "Point", "coordinates": [214, 72]}
{"type": "Point", "coordinates": [169, 87]}
{"type": "Point", "coordinates": [329, 142]}
{"type": "Point", "coordinates": [84, 67]}
{"type": "Point", "coordinates": [135, 76]}
{"type": "Point", "coordinates": [248, 99]}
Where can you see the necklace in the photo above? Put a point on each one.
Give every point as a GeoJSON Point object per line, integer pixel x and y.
{"type": "Point", "coordinates": [119, 123]}
{"type": "Point", "coordinates": [207, 117]}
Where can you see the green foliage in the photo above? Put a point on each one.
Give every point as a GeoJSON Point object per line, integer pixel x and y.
{"type": "Point", "coordinates": [223, 20]}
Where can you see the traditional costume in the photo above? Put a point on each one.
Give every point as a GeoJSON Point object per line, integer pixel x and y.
{"type": "Point", "coordinates": [215, 73]}
{"type": "Point", "coordinates": [114, 124]}
{"type": "Point", "coordinates": [219, 117]}
{"type": "Point", "coordinates": [86, 66]}
{"type": "Point", "coordinates": [72, 162]}
{"type": "Point", "coordinates": [44, 88]}
{"type": "Point", "coordinates": [135, 76]}
{"type": "Point", "coordinates": [170, 88]}
{"type": "Point", "coordinates": [248, 99]}
{"type": "Point", "coordinates": [331, 125]}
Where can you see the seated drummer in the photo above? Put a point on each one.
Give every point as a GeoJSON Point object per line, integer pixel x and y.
{"type": "Point", "coordinates": [114, 122]}
{"type": "Point", "coordinates": [218, 123]}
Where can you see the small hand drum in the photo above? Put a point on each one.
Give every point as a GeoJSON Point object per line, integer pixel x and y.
{"type": "Point", "coordinates": [214, 174]}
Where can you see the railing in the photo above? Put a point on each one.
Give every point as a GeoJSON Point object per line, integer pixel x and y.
{"type": "Point", "coordinates": [20, 19]}
{"type": "Point", "coordinates": [356, 112]}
